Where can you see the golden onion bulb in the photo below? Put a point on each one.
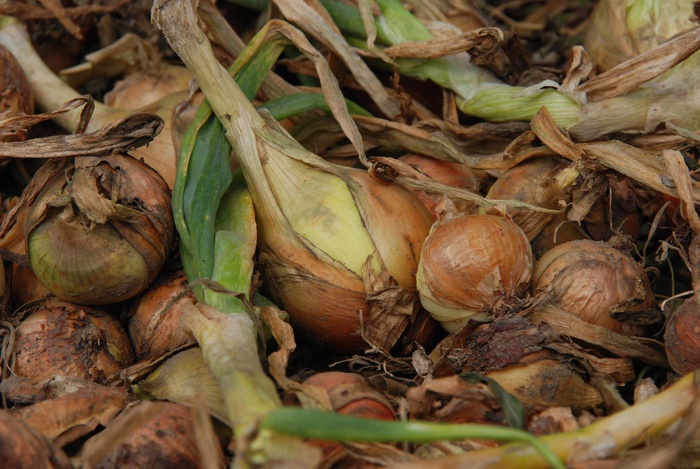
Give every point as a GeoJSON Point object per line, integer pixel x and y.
{"type": "Point", "coordinates": [544, 182]}
{"type": "Point", "coordinates": [591, 280]}
{"type": "Point", "coordinates": [473, 267]}
{"type": "Point", "coordinates": [100, 229]}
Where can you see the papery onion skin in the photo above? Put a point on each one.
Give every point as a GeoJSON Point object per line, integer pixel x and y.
{"type": "Point", "coordinates": [164, 437]}
{"type": "Point", "coordinates": [154, 323]}
{"type": "Point", "coordinates": [543, 182]}
{"type": "Point", "coordinates": [24, 447]}
{"type": "Point", "coordinates": [590, 279]}
{"type": "Point", "coordinates": [473, 267]}
{"type": "Point", "coordinates": [101, 231]}
{"type": "Point", "coordinates": [682, 337]}
{"type": "Point", "coordinates": [58, 338]}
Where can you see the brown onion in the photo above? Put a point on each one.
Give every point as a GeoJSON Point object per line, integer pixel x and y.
{"type": "Point", "coordinates": [26, 287]}
{"type": "Point", "coordinates": [58, 338]}
{"type": "Point", "coordinates": [150, 434]}
{"type": "Point", "coordinates": [154, 324]}
{"type": "Point", "coordinates": [591, 280]}
{"type": "Point", "coordinates": [473, 267]}
{"type": "Point", "coordinates": [682, 337]}
{"type": "Point", "coordinates": [100, 229]}
{"type": "Point", "coordinates": [544, 182]}
{"type": "Point", "coordinates": [140, 88]}
{"type": "Point", "coordinates": [448, 173]}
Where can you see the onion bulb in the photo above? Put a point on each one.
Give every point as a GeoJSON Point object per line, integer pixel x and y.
{"type": "Point", "coordinates": [592, 280]}
{"type": "Point", "coordinates": [682, 337]}
{"type": "Point", "coordinates": [100, 229]}
{"type": "Point", "coordinates": [448, 173]}
{"type": "Point", "coordinates": [58, 338]}
{"type": "Point", "coordinates": [154, 324]}
{"type": "Point", "coordinates": [544, 182]}
{"type": "Point", "coordinates": [143, 87]}
{"type": "Point", "coordinates": [338, 250]}
{"type": "Point", "coordinates": [150, 434]}
{"type": "Point", "coordinates": [473, 267]}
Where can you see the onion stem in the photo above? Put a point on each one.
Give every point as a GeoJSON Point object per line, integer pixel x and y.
{"type": "Point", "coordinates": [337, 427]}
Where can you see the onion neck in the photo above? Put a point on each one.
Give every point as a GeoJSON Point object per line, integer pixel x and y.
{"type": "Point", "coordinates": [50, 92]}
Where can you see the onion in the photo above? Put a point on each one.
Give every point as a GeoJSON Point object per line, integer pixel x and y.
{"type": "Point", "coordinates": [100, 229]}
{"type": "Point", "coordinates": [619, 31]}
{"type": "Point", "coordinates": [544, 182]}
{"type": "Point", "coordinates": [154, 324]}
{"type": "Point", "coordinates": [682, 337]}
{"type": "Point", "coordinates": [140, 88]}
{"type": "Point", "coordinates": [349, 394]}
{"type": "Point", "coordinates": [149, 434]}
{"type": "Point", "coordinates": [335, 245]}
{"type": "Point", "coordinates": [58, 338]}
{"type": "Point", "coordinates": [591, 280]}
{"type": "Point", "coordinates": [448, 173]}
{"type": "Point", "coordinates": [473, 267]}
{"type": "Point", "coordinates": [26, 287]}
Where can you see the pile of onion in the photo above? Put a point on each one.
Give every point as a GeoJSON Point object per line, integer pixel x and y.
{"type": "Point", "coordinates": [473, 267]}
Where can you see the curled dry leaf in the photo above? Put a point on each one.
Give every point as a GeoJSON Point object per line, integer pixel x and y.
{"type": "Point", "coordinates": [69, 417]}
{"type": "Point", "coordinates": [25, 447]}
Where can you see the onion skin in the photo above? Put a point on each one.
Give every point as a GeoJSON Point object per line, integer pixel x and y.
{"type": "Point", "coordinates": [23, 447]}
{"type": "Point", "coordinates": [26, 287]}
{"type": "Point", "coordinates": [591, 279]}
{"type": "Point", "coordinates": [543, 182]}
{"type": "Point", "coordinates": [151, 434]}
{"type": "Point", "coordinates": [473, 267]}
{"type": "Point", "coordinates": [100, 231]}
{"type": "Point", "coordinates": [682, 337]}
{"type": "Point", "coordinates": [154, 324]}
{"type": "Point", "coordinates": [58, 338]}
{"type": "Point", "coordinates": [140, 88]}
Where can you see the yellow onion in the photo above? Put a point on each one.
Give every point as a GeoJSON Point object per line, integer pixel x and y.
{"type": "Point", "coordinates": [25, 286]}
{"type": "Point", "coordinates": [544, 182]}
{"type": "Point", "coordinates": [682, 337]}
{"type": "Point", "coordinates": [592, 280]}
{"type": "Point", "coordinates": [339, 227]}
{"type": "Point", "coordinates": [143, 87]}
{"type": "Point", "coordinates": [58, 338]}
{"type": "Point", "coordinates": [448, 173]}
{"type": "Point", "coordinates": [154, 324]}
{"type": "Point", "coordinates": [150, 434]}
{"type": "Point", "coordinates": [100, 229]}
{"type": "Point", "coordinates": [338, 250]}
{"type": "Point", "coordinates": [473, 267]}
